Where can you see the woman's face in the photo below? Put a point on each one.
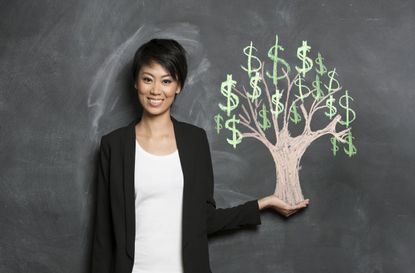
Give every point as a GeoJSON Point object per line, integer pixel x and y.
{"type": "Point", "coordinates": [156, 89]}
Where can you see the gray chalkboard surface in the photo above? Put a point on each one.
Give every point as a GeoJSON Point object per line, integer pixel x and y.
{"type": "Point", "coordinates": [65, 81]}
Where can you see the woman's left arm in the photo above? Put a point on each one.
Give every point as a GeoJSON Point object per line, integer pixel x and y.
{"type": "Point", "coordinates": [219, 219]}
{"type": "Point", "coordinates": [248, 213]}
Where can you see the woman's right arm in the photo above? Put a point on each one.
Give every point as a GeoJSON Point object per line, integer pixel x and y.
{"type": "Point", "coordinates": [102, 247]}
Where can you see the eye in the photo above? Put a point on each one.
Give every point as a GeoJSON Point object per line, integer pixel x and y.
{"type": "Point", "coordinates": [146, 79]}
{"type": "Point", "coordinates": [167, 81]}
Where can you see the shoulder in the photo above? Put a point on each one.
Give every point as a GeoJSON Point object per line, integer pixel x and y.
{"type": "Point", "coordinates": [194, 136]}
{"type": "Point", "coordinates": [190, 128]}
{"type": "Point", "coordinates": [192, 133]}
{"type": "Point", "coordinates": [116, 135]}
{"type": "Point", "coordinates": [186, 129]}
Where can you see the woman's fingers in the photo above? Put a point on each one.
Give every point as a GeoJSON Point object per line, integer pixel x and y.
{"type": "Point", "coordinates": [301, 204]}
{"type": "Point", "coordinates": [291, 212]}
{"type": "Point", "coordinates": [294, 208]}
{"type": "Point", "coordinates": [286, 209]}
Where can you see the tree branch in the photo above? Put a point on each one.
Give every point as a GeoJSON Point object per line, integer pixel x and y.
{"type": "Point", "coordinates": [317, 103]}
{"type": "Point", "coordinates": [258, 137]}
{"type": "Point", "coordinates": [274, 119]}
{"type": "Point", "coordinates": [240, 93]}
{"type": "Point", "coordinates": [254, 115]}
{"type": "Point", "coordinates": [307, 129]}
{"type": "Point", "coordinates": [244, 119]}
{"type": "Point", "coordinates": [304, 140]}
{"type": "Point", "coordinates": [304, 111]}
{"type": "Point", "coordinates": [289, 87]}
{"type": "Point", "coordinates": [341, 136]}
{"type": "Point", "coordinates": [246, 113]}
{"type": "Point", "coordinates": [255, 133]}
{"type": "Point", "coordinates": [331, 129]}
{"type": "Point", "coordinates": [315, 107]}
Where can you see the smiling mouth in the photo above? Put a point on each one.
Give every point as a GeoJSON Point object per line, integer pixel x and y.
{"type": "Point", "coordinates": [155, 102]}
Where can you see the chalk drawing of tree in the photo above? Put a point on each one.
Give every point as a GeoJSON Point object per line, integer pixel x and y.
{"type": "Point", "coordinates": [295, 99]}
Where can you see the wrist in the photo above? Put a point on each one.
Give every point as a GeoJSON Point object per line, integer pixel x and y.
{"type": "Point", "coordinates": [263, 203]}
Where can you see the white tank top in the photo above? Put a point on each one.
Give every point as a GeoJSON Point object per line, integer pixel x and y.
{"type": "Point", "coordinates": [158, 183]}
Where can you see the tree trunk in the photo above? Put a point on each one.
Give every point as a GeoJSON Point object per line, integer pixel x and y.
{"type": "Point", "coordinates": [288, 186]}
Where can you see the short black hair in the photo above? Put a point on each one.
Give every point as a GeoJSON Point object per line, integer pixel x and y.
{"type": "Point", "coordinates": [168, 53]}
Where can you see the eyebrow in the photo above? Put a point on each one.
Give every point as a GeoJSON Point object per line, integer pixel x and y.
{"type": "Point", "coordinates": [166, 75]}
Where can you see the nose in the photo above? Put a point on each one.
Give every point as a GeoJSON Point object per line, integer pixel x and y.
{"type": "Point", "coordinates": [156, 90]}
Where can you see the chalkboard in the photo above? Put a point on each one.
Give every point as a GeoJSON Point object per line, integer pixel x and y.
{"type": "Point", "coordinates": [66, 81]}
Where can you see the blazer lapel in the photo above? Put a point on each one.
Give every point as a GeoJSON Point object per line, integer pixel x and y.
{"type": "Point", "coordinates": [129, 201]}
{"type": "Point", "coordinates": [128, 180]}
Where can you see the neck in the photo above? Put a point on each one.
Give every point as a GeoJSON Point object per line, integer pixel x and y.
{"type": "Point", "coordinates": [153, 126]}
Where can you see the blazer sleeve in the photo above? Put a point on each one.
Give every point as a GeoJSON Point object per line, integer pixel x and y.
{"type": "Point", "coordinates": [219, 219]}
{"type": "Point", "coordinates": [102, 247]}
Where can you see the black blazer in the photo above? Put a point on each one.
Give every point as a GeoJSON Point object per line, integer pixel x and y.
{"type": "Point", "coordinates": [114, 236]}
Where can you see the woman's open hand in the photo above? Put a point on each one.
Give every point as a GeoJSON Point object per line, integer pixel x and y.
{"type": "Point", "coordinates": [283, 208]}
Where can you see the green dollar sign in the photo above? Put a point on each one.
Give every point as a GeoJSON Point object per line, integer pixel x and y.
{"type": "Point", "coordinates": [276, 100]}
{"type": "Point", "coordinates": [351, 150]}
{"type": "Point", "coordinates": [294, 115]}
{"type": "Point", "coordinates": [350, 114]}
{"type": "Point", "coordinates": [332, 81]}
{"type": "Point", "coordinates": [334, 146]}
{"type": "Point", "coordinates": [265, 123]}
{"type": "Point", "coordinates": [273, 55]}
{"type": "Point", "coordinates": [321, 67]}
{"type": "Point", "coordinates": [236, 134]}
{"type": "Point", "coordinates": [307, 62]}
{"type": "Point", "coordinates": [248, 52]}
{"type": "Point", "coordinates": [218, 120]}
{"type": "Point", "coordinates": [318, 92]}
{"type": "Point", "coordinates": [232, 99]}
{"type": "Point", "coordinates": [332, 108]}
{"type": "Point", "coordinates": [256, 90]}
{"type": "Point", "coordinates": [302, 88]}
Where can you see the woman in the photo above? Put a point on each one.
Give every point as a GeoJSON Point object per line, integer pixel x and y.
{"type": "Point", "coordinates": [155, 205]}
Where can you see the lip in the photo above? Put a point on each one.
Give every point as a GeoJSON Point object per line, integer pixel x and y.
{"type": "Point", "coordinates": [155, 104]}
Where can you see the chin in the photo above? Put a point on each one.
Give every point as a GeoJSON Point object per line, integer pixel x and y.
{"type": "Point", "coordinates": [155, 112]}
